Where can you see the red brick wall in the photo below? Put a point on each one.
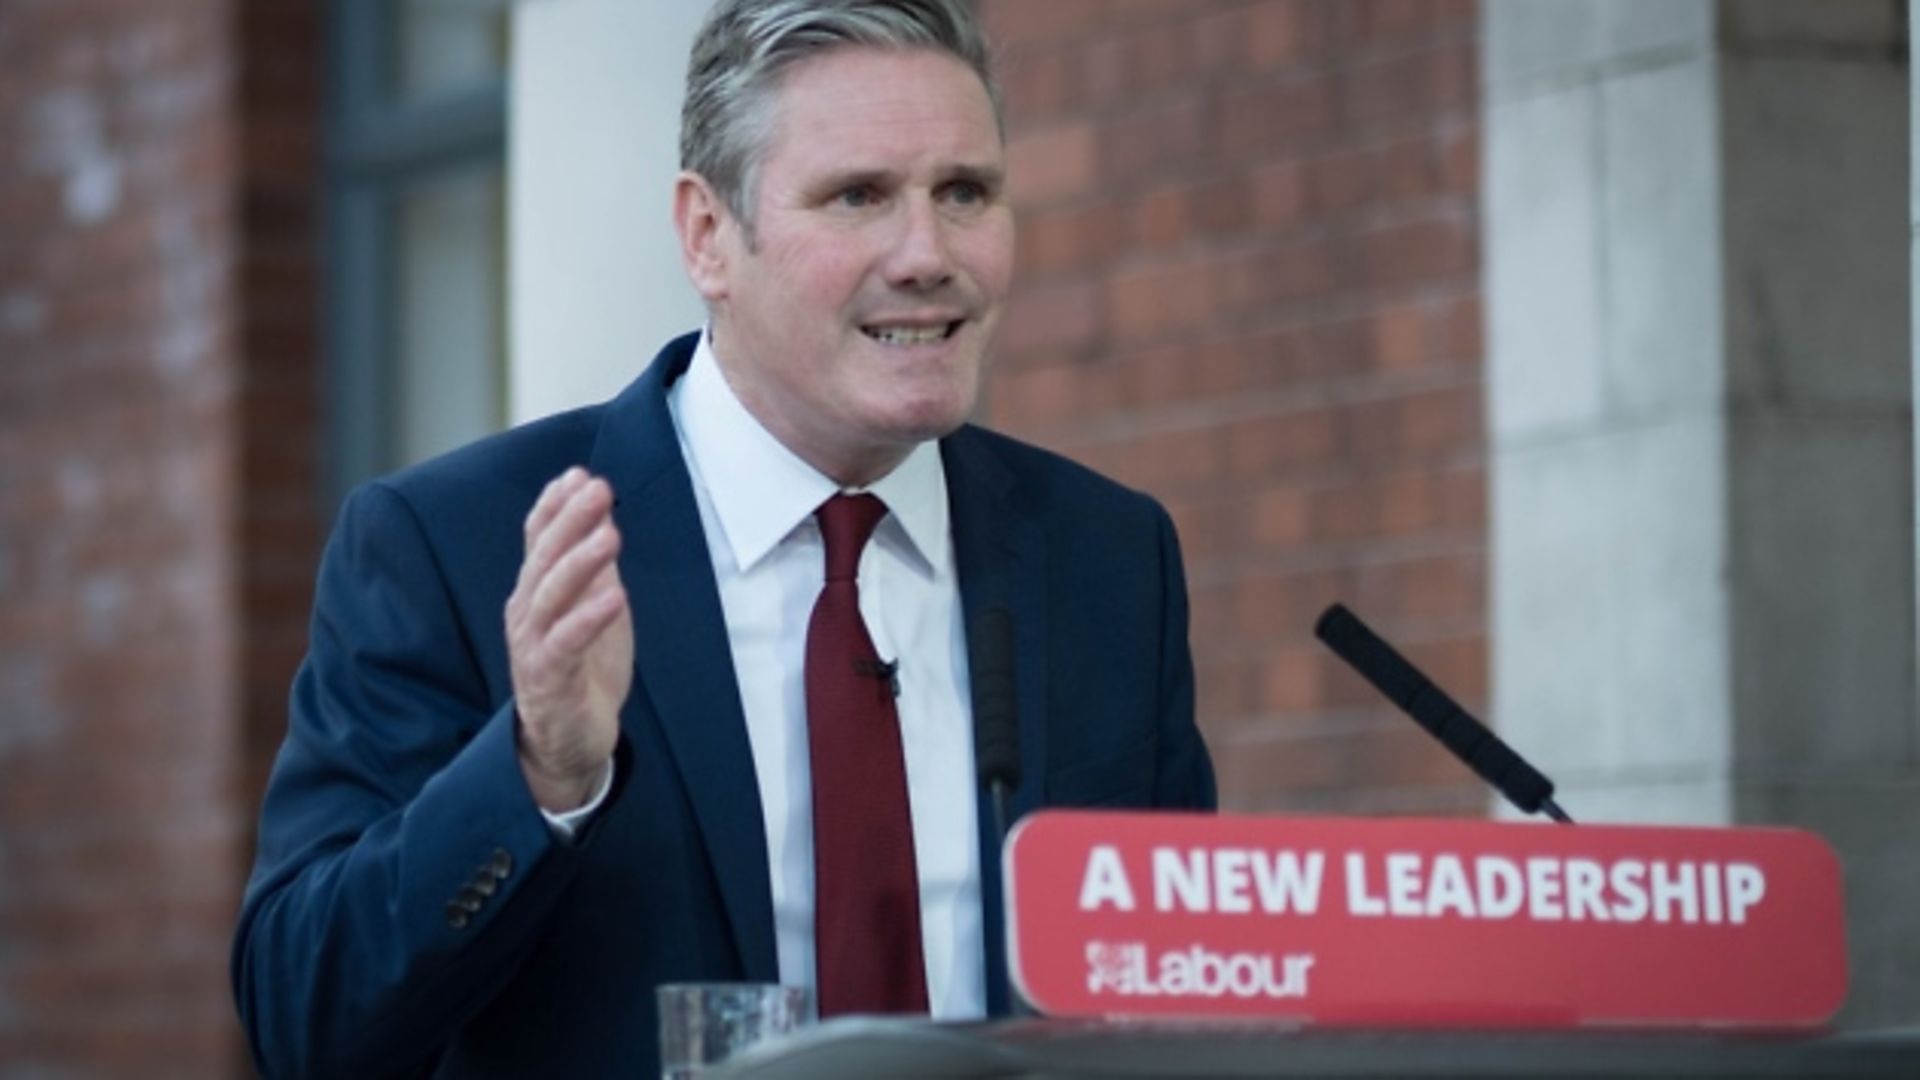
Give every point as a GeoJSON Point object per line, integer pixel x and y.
{"type": "Point", "coordinates": [156, 508]}
{"type": "Point", "coordinates": [1249, 284]}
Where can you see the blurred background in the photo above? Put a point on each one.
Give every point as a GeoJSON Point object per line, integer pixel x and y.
{"type": "Point", "coordinates": [1567, 341]}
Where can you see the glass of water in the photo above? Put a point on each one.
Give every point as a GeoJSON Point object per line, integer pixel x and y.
{"type": "Point", "coordinates": [702, 1024]}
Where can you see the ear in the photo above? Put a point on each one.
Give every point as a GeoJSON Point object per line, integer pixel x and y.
{"type": "Point", "coordinates": [704, 223]}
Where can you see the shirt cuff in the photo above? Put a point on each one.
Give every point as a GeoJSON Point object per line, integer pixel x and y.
{"type": "Point", "coordinates": [568, 824]}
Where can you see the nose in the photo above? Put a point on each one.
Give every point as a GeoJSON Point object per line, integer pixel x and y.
{"type": "Point", "coordinates": [920, 259]}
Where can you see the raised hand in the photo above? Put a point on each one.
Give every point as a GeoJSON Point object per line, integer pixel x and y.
{"type": "Point", "coordinates": [569, 641]}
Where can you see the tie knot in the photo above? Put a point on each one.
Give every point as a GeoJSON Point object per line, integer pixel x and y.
{"type": "Point", "coordinates": [846, 521]}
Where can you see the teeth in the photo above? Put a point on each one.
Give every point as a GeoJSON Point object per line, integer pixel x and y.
{"type": "Point", "coordinates": [901, 335]}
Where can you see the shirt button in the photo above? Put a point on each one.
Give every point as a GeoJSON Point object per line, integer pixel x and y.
{"type": "Point", "coordinates": [501, 864]}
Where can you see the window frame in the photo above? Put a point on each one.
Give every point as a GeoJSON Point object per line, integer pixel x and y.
{"type": "Point", "coordinates": [376, 146]}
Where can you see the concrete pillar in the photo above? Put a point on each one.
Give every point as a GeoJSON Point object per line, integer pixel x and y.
{"type": "Point", "coordinates": [1699, 389]}
{"type": "Point", "coordinates": [595, 280]}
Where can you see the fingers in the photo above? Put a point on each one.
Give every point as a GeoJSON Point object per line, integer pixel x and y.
{"type": "Point", "coordinates": [564, 584]}
{"type": "Point", "coordinates": [569, 509]}
{"type": "Point", "coordinates": [552, 497]}
{"type": "Point", "coordinates": [571, 541]}
{"type": "Point", "coordinates": [581, 623]}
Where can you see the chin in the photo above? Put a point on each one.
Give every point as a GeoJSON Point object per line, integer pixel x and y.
{"type": "Point", "coordinates": [909, 428]}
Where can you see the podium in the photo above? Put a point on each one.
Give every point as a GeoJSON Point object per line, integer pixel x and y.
{"type": "Point", "coordinates": [1172, 946]}
{"type": "Point", "coordinates": [857, 1048]}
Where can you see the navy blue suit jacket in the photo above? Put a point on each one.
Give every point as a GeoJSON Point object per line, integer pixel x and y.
{"type": "Point", "coordinates": [409, 912]}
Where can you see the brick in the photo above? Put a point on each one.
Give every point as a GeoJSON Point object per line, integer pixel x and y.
{"type": "Point", "coordinates": [1223, 207]}
{"type": "Point", "coordinates": [145, 600]}
{"type": "Point", "coordinates": [1155, 301]}
{"type": "Point", "coordinates": [1461, 332]}
{"type": "Point", "coordinates": [1410, 503]}
{"type": "Point", "coordinates": [1282, 273]}
{"type": "Point", "coordinates": [1407, 169]}
{"type": "Point", "coordinates": [1104, 71]}
{"type": "Point", "coordinates": [1153, 377]}
{"type": "Point", "coordinates": [1221, 370]}
{"type": "Point", "coordinates": [1463, 501]}
{"type": "Point", "coordinates": [1160, 220]}
{"type": "Point", "coordinates": [1052, 164]}
{"type": "Point", "coordinates": [1223, 687]}
{"type": "Point", "coordinates": [1203, 528]}
{"type": "Point", "coordinates": [1280, 32]}
{"type": "Point", "coordinates": [1017, 24]}
{"type": "Point", "coordinates": [1423, 588]}
{"type": "Point", "coordinates": [1153, 142]}
{"type": "Point", "coordinates": [1401, 86]}
{"type": "Point", "coordinates": [1036, 399]}
{"type": "Point", "coordinates": [1398, 337]}
{"type": "Point", "coordinates": [1279, 218]}
{"type": "Point", "coordinates": [1384, 21]}
{"type": "Point", "coordinates": [1060, 317]}
{"type": "Point", "coordinates": [1284, 606]}
{"type": "Point", "coordinates": [1036, 87]}
{"type": "Point", "coordinates": [1278, 194]}
{"type": "Point", "coordinates": [1281, 517]}
{"type": "Point", "coordinates": [1408, 756]}
{"type": "Point", "coordinates": [1168, 461]}
{"type": "Point", "coordinates": [1342, 180]}
{"type": "Point", "coordinates": [1458, 664]}
{"type": "Point", "coordinates": [1459, 164]}
{"type": "Point", "coordinates": [1221, 40]}
{"type": "Point", "coordinates": [1423, 249]}
{"type": "Point", "coordinates": [1291, 680]}
{"type": "Point", "coordinates": [1441, 421]}
{"type": "Point", "coordinates": [1261, 119]}
{"type": "Point", "coordinates": [1068, 238]}
{"type": "Point", "coordinates": [1277, 764]}
{"type": "Point", "coordinates": [1266, 446]}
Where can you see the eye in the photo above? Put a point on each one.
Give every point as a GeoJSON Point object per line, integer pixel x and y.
{"type": "Point", "coordinates": [966, 193]}
{"type": "Point", "coordinates": [857, 196]}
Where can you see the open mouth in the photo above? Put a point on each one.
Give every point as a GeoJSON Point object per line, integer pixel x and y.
{"type": "Point", "coordinates": [901, 336]}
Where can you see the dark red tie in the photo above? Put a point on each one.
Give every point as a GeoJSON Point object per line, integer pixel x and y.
{"type": "Point", "coordinates": [866, 891]}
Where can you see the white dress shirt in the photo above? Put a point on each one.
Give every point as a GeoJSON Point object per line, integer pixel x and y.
{"type": "Point", "coordinates": [756, 502]}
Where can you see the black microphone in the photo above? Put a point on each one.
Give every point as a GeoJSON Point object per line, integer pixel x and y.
{"type": "Point", "coordinates": [996, 727]}
{"type": "Point", "coordinates": [996, 716]}
{"type": "Point", "coordinates": [886, 671]}
{"type": "Point", "coordinates": [1468, 739]}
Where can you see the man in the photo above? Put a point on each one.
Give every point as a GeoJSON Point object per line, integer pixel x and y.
{"type": "Point", "coordinates": [723, 730]}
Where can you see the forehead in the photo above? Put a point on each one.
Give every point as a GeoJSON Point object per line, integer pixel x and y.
{"type": "Point", "coordinates": [860, 107]}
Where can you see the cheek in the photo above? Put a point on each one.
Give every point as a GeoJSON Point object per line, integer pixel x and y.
{"type": "Point", "coordinates": [989, 254]}
{"type": "Point", "coordinates": [821, 276]}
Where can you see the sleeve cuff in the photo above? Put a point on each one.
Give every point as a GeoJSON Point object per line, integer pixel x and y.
{"type": "Point", "coordinates": [565, 826]}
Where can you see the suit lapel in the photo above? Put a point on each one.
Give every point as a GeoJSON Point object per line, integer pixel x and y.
{"type": "Point", "coordinates": [683, 662]}
{"type": "Point", "coordinates": [1000, 556]}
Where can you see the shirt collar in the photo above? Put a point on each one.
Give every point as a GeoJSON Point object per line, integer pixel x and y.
{"type": "Point", "coordinates": [761, 491]}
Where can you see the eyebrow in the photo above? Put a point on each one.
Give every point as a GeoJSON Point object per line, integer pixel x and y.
{"type": "Point", "coordinates": [989, 176]}
{"type": "Point", "coordinates": [840, 181]}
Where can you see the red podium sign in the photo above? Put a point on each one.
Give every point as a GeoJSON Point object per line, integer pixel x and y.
{"type": "Point", "coordinates": [1424, 923]}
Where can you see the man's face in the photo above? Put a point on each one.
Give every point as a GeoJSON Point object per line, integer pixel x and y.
{"type": "Point", "coordinates": [857, 322]}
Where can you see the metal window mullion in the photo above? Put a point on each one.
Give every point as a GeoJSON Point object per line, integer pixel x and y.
{"type": "Point", "coordinates": [425, 136]}
{"type": "Point", "coordinates": [360, 312]}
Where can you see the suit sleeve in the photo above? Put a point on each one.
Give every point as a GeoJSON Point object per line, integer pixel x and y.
{"type": "Point", "coordinates": [403, 869]}
{"type": "Point", "coordinates": [1183, 773]}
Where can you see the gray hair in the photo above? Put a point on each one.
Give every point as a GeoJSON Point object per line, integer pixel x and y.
{"type": "Point", "coordinates": [745, 45]}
